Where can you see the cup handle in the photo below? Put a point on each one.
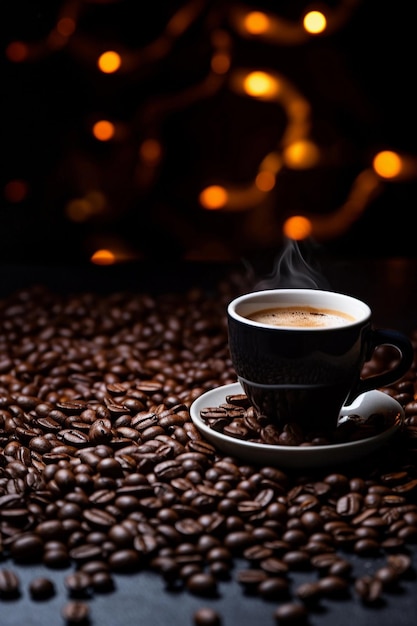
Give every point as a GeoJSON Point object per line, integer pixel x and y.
{"type": "Point", "coordinates": [395, 339]}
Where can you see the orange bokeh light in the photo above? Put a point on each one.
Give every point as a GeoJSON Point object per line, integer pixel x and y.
{"type": "Point", "coordinates": [387, 164]}
{"type": "Point", "coordinates": [297, 227]}
{"type": "Point", "coordinates": [265, 181]}
{"type": "Point", "coordinates": [213, 198]}
{"type": "Point", "coordinates": [109, 62]}
{"type": "Point", "coordinates": [17, 51]}
{"type": "Point", "coordinates": [103, 257]}
{"type": "Point", "coordinates": [103, 130]}
{"type": "Point", "coordinates": [16, 191]}
{"type": "Point", "coordinates": [261, 84]}
{"type": "Point", "coordinates": [256, 22]}
{"type": "Point", "coordinates": [150, 150]}
{"type": "Point", "coordinates": [220, 63]}
{"type": "Point", "coordinates": [314, 22]}
{"type": "Point", "coordinates": [66, 26]}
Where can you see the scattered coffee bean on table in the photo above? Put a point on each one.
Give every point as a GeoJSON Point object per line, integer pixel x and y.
{"type": "Point", "coordinates": [76, 613]}
{"type": "Point", "coordinates": [291, 613]}
{"type": "Point", "coordinates": [103, 471]}
{"type": "Point", "coordinates": [9, 584]}
{"type": "Point", "coordinates": [206, 616]}
{"type": "Point", "coordinates": [41, 588]}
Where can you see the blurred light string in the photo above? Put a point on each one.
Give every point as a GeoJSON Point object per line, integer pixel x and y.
{"type": "Point", "coordinates": [296, 149]}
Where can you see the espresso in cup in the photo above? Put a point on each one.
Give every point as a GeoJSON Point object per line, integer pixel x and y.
{"type": "Point", "coordinates": [299, 353]}
{"type": "Point", "coordinates": [301, 317]}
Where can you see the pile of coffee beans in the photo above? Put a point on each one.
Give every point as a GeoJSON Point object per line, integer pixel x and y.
{"type": "Point", "coordinates": [103, 471]}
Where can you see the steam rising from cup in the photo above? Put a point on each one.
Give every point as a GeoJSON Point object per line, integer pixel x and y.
{"type": "Point", "coordinates": [292, 271]}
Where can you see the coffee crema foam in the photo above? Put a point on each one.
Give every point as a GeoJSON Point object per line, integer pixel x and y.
{"type": "Point", "coordinates": [301, 317]}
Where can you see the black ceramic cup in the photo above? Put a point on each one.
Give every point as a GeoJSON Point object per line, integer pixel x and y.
{"type": "Point", "coordinates": [305, 372]}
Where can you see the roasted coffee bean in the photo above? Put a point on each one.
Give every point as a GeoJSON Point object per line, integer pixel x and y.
{"type": "Point", "coordinates": [295, 537]}
{"type": "Point", "coordinates": [309, 592]}
{"type": "Point", "coordinates": [100, 431]}
{"type": "Point", "coordinates": [297, 560]}
{"type": "Point", "coordinates": [388, 576]}
{"type": "Point", "coordinates": [350, 504]}
{"type": "Point", "coordinates": [41, 588]}
{"type": "Point", "coordinates": [78, 583]}
{"type": "Point", "coordinates": [291, 613]}
{"type": "Point", "coordinates": [206, 616]}
{"type": "Point", "coordinates": [257, 553]}
{"type": "Point", "coordinates": [333, 586]}
{"type": "Point", "coordinates": [74, 437]}
{"type": "Point", "coordinates": [76, 612]}
{"type": "Point", "coordinates": [237, 541]}
{"type": "Point", "coordinates": [27, 548]}
{"type": "Point", "coordinates": [275, 566]}
{"type": "Point", "coordinates": [9, 583]}
{"type": "Point", "coordinates": [98, 518]}
{"type": "Point", "coordinates": [250, 579]}
{"type": "Point", "coordinates": [340, 567]}
{"type": "Point", "coordinates": [236, 430]}
{"type": "Point", "coordinates": [368, 589]}
{"type": "Point", "coordinates": [124, 560]}
{"type": "Point", "coordinates": [202, 584]}
{"type": "Point", "coordinates": [274, 588]}
{"type": "Point", "coordinates": [238, 399]}
{"type": "Point", "coordinates": [401, 563]}
{"type": "Point", "coordinates": [366, 547]}
{"type": "Point", "coordinates": [85, 552]}
{"type": "Point", "coordinates": [93, 567]}
{"type": "Point", "coordinates": [102, 582]}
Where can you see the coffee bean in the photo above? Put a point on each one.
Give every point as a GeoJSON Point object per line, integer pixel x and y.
{"type": "Point", "coordinates": [9, 583]}
{"type": "Point", "coordinates": [333, 586]}
{"type": "Point", "coordinates": [206, 616]}
{"type": "Point", "coordinates": [124, 560]}
{"type": "Point", "coordinates": [366, 547]}
{"type": "Point", "coordinates": [74, 437]}
{"type": "Point", "coordinates": [78, 583]}
{"type": "Point", "coordinates": [368, 589]}
{"type": "Point", "coordinates": [340, 567]}
{"type": "Point", "coordinates": [76, 612]}
{"type": "Point", "coordinates": [202, 584]}
{"type": "Point", "coordinates": [291, 613]}
{"type": "Point", "coordinates": [56, 556]}
{"type": "Point", "coordinates": [100, 431]}
{"type": "Point", "coordinates": [102, 582]}
{"type": "Point", "coordinates": [309, 592]}
{"type": "Point", "coordinates": [297, 560]}
{"type": "Point", "coordinates": [41, 588]}
{"type": "Point", "coordinates": [257, 553]}
{"type": "Point", "coordinates": [85, 552]}
{"type": "Point", "coordinates": [27, 548]}
{"type": "Point", "coordinates": [93, 567]}
{"type": "Point", "coordinates": [98, 518]}
{"type": "Point", "coordinates": [250, 579]}
{"type": "Point", "coordinates": [401, 563]}
{"type": "Point", "coordinates": [273, 588]}
{"type": "Point", "coordinates": [350, 504]}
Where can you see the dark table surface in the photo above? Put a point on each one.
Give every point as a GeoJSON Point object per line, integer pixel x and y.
{"type": "Point", "coordinates": [389, 286]}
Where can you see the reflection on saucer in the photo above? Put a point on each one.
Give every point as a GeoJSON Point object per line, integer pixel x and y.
{"type": "Point", "coordinates": [369, 422]}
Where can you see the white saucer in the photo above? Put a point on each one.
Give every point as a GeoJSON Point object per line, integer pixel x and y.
{"type": "Point", "coordinates": [300, 456]}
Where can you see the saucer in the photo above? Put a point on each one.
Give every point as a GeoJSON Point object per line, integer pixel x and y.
{"type": "Point", "coordinates": [301, 456]}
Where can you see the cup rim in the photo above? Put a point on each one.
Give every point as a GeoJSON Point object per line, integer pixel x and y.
{"type": "Point", "coordinates": [252, 301]}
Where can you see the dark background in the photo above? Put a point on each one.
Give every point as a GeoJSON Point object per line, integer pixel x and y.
{"type": "Point", "coordinates": [359, 81]}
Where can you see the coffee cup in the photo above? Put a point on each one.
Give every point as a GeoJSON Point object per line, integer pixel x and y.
{"type": "Point", "coordinates": [299, 354]}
